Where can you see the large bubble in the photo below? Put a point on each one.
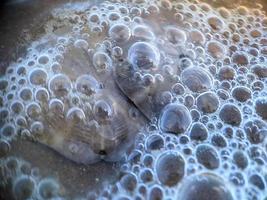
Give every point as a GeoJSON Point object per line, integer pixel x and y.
{"type": "Point", "coordinates": [144, 56]}
{"type": "Point", "coordinates": [203, 187]}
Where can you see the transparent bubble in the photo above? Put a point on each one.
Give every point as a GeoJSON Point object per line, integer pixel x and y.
{"type": "Point", "coordinates": [143, 55]}
{"type": "Point", "coordinates": [240, 159]}
{"type": "Point", "coordinates": [23, 188]}
{"type": "Point", "coordinates": [48, 188]}
{"type": "Point", "coordinates": [207, 156]}
{"type": "Point", "coordinates": [175, 118]}
{"type": "Point", "coordinates": [33, 110]}
{"type": "Point", "coordinates": [120, 33]}
{"type": "Point", "coordinates": [4, 148]}
{"type": "Point", "coordinates": [218, 140]}
{"type": "Point", "coordinates": [44, 59]}
{"type": "Point", "coordinates": [101, 61]}
{"type": "Point", "coordinates": [240, 59]}
{"type": "Point", "coordinates": [59, 85]}
{"type": "Point", "coordinates": [215, 23]}
{"type": "Point", "coordinates": [142, 32]}
{"type": "Point", "coordinates": [25, 94]}
{"type": "Point", "coordinates": [3, 84]}
{"type": "Point", "coordinates": [154, 142]}
{"type": "Point", "coordinates": [17, 106]}
{"type": "Point", "coordinates": [8, 131]}
{"type": "Point", "coordinates": [230, 114]}
{"type": "Point", "coordinates": [42, 95]}
{"type": "Point", "coordinates": [201, 186]}
{"type": "Point", "coordinates": [75, 115]}
{"type": "Point", "coordinates": [103, 110]}
{"type": "Point", "coordinates": [87, 84]}
{"type": "Point", "coordinates": [56, 106]}
{"type": "Point", "coordinates": [37, 128]}
{"type": "Point", "coordinates": [198, 132]}
{"type": "Point", "coordinates": [37, 76]}
{"type": "Point", "coordinates": [216, 49]}
{"type": "Point", "coordinates": [261, 107]}
{"type": "Point", "coordinates": [259, 70]}
{"type": "Point", "coordinates": [196, 79]}
{"type": "Point", "coordinates": [129, 182]}
{"type": "Point", "coordinates": [170, 168]}
{"type": "Point", "coordinates": [207, 102]}
{"type": "Point", "coordinates": [226, 73]}
{"type": "Point", "coordinates": [175, 36]}
{"type": "Point", "coordinates": [224, 12]}
{"type": "Point", "coordinates": [257, 180]}
{"type": "Point", "coordinates": [241, 93]}
{"type": "Point", "coordinates": [256, 131]}
{"type": "Point", "coordinates": [156, 192]}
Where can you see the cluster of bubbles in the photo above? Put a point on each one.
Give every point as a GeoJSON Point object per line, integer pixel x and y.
{"type": "Point", "coordinates": [181, 81]}
{"type": "Point", "coordinates": [25, 182]}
